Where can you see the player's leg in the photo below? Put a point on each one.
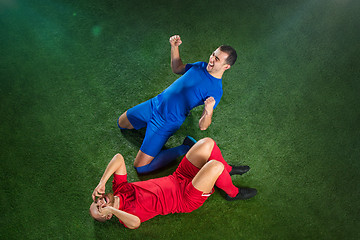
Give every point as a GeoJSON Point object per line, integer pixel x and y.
{"type": "Point", "coordinates": [206, 150]}
{"type": "Point", "coordinates": [152, 144]}
{"type": "Point", "coordinates": [206, 178]}
{"type": "Point", "coordinates": [203, 152]}
{"type": "Point", "coordinates": [151, 157]}
{"type": "Point", "coordinates": [136, 117]}
{"type": "Point", "coordinates": [150, 147]}
{"type": "Point", "coordinates": [217, 155]}
{"type": "Point", "coordinates": [123, 122]}
{"type": "Point", "coordinates": [142, 159]}
{"type": "Point", "coordinates": [167, 156]}
{"type": "Point", "coordinates": [209, 175]}
{"type": "Point", "coordinates": [199, 154]}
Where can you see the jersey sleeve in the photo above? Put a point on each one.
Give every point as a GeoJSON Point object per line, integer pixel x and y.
{"type": "Point", "coordinates": [190, 65]}
{"type": "Point", "coordinates": [117, 180]}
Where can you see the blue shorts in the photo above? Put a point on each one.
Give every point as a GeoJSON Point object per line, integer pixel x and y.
{"type": "Point", "coordinates": [158, 130]}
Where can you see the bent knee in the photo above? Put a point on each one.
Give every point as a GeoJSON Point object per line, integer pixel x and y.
{"type": "Point", "coordinates": [207, 140]}
{"type": "Point", "coordinates": [124, 122]}
{"type": "Point", "coordinates": [142, 159]}
{"type": "Point", "coordinates": [207, 143]}
{"type": "Point", "coordinates": [215, 166]}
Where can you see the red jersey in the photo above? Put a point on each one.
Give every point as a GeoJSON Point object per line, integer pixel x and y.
{"type": "Point", "coordinates": [160, 196]}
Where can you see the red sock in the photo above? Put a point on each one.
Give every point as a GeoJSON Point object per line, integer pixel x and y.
{"type": "Point", "coordinates": [216, 155]}
{"type": "Point", "coordinates": [224, 181]}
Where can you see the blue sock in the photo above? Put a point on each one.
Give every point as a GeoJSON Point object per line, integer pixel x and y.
{"type": "Point", "coordinates": [163, 158]}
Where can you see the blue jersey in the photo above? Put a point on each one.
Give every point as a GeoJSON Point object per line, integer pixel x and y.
{"type": "Point", "coordinates": [187, 92]}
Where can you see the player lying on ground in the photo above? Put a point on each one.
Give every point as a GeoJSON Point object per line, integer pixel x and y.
{"type": "Point", "coordinates": [200, 84]}
{"type": "Point", "coordinates": [183, 191]}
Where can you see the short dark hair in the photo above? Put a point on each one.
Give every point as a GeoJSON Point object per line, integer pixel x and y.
{"type": "Point", "coordinates": [232, 56]}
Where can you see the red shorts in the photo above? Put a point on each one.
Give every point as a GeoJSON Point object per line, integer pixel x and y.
{"type": "Point", "coordinates": [192, 198]}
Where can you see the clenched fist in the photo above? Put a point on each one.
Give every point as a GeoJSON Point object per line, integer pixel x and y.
{"type": "Point", "coordinates": [175, 41]}
{"type": "Point", "coordinates": [209, 104]}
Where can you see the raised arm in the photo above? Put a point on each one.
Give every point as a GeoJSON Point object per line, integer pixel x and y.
{"type": "Point", "coordinates": [206, 116]}
{"type": "Point", "coordinates": [117, 166]}
{"type": "Point", "coordinates": [177, 65]}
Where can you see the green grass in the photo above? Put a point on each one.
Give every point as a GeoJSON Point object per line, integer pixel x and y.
{"type": "Point", "coordinates": [290, 110]}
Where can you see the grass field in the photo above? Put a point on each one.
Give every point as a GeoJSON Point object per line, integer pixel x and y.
{"type": "Point", "coordinates": [290, 110]}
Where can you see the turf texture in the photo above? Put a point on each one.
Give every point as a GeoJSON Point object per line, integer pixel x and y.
{"type": "Point", "coordinates": [290, 110]}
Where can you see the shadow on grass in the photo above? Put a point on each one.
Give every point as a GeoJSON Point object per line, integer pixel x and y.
{"type": "Point", "coordinates": [162, 172]}
{"type": "Point", "coordinates": [135, 137]}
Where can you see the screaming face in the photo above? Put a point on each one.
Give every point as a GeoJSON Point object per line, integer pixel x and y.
{"type": "Point", "coordinates": [97, 208]}
{"type": "Point", "coordinates": [217, 62]}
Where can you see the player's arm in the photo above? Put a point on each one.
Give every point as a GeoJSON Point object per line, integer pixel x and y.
{"type": "Point", "coordinates": [117, 166]}
{"type": "Point", "coordinates": [177, 65]}
{"type": "Point", "coordinates": [131, 221]}
{"type": "Point", "coordinates": [206, 116]}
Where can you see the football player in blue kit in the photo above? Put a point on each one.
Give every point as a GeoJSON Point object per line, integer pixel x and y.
{"type": "Point", "coordinates": [200, 83]}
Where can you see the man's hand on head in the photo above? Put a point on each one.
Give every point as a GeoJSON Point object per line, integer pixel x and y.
{"type": "Point", "coordinates": [106, 210]}
{"type": "Point", "coordinates": [99, 191]}
{"type": "Point", "coordinates": [175, 41]}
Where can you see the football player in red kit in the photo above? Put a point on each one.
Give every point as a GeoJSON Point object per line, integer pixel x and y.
{"type": "Point", "coordinates": [184, 191]}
